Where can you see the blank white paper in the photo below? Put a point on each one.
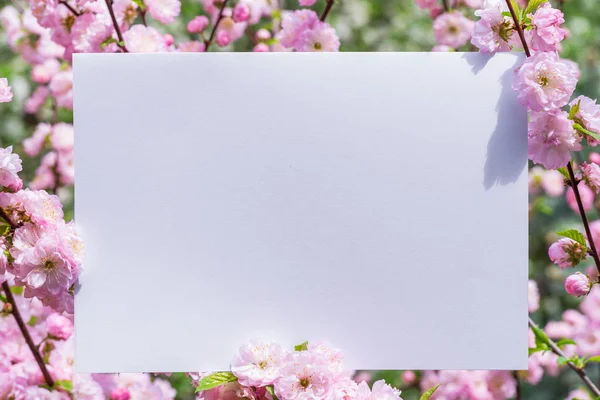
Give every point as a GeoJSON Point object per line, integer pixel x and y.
{"type": "Point", "coordinates": [374, 200]}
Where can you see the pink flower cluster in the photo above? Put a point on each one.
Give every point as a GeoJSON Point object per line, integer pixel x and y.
{"type": "Point", "coordinates": [313, 371]}
{"type": "Point", "coordinates": [301, 30]}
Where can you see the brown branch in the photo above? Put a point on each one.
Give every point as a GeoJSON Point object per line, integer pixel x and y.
{"type": "Point", "coordinates": [208, 42]}
{"type": "Point", "coordinates": [518, 391]}
{"type": "Point", "coordinates": [15, 312]}
{"type": "Point", "coordinates": [326, 10]}
{"type": "Point", "coordinates": [74, 11]}
{"type": "Point", "coordinates": [446, 5]}
{"type": "Point", "coordinates": [574, 185]}
{"type": "Point", "coordinates": [518, 28]}
{"type": "Point", "coordinates": [579, 371]}
{"type": "Point", "coordinates": [121, 42]}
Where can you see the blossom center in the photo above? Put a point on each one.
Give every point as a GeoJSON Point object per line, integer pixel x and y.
{"type": "Point", "coordinates": [317, 46]}
{"type": "Point", "coordinates": [453, 29]}
{"type": "Point", "coordinates": [304, 382]}
{"type": "Point", "coordinates": [262, 364]}
{"type": "Point", "coordinates": [543, 80]}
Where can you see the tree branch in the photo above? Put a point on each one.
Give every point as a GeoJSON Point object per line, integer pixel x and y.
{"type": "Point", "coordinates": [579, 371]}
{"type": "Point", "coordinates": [74, 11]}
{"type": "Point", "coordinates": [326, 10]}
{"type": "Point", "coordinates": [121, 42]}
{"type": "Point", "coordinates": [518, 28]}
{"type": "Point", "coordinates": [208, 42]}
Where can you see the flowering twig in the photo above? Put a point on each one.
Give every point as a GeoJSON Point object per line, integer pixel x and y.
{"type": "Point", "coordinates": [572, 181]}
{"type": "Point", "coordinates": [518, 28]}
{"type": "Point", "coordinates": [15, 312]}
{"type": "Point", "coordinates": [326, 10]}
{"type": "Point", "coordinates": [121, 42]}
{"type": "Point", "coordinates": [210, 39]}
{"type": "Point", "coordinates": [579, 371]}
{"type": "Point", "coordinates": [74, 11]}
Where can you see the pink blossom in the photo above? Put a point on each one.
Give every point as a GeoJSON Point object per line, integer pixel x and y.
{"type": "Point", "coordinates": [551, 139]}
{"type": "Point", "coordinates": [588, 116]}
{"type": "Point", "coordinates": [192, 46]}
{"type": "Point", "coordinates": [42, 73]}
{"type": "Point", "coordinates": [62, 137]}
{"type": "Point", "coordinates": [61, 87]}
{"type": "Point", "coordinates": [452, 29]}
{"type": "Point", "coordinates": [257, 363]}
{"type": "Point", "coordinates": [426, 3]}
{"type": "Point", "coordinates": [169, 39]}
{"type": "Point", "coordinates": [37, 99]}
{"type": "Point", "coordinates": [198, 24]}
{"type": "Point", "coordinates": [294, 24]}
{"type": "Point", "coordinates": [38, 206]}
{"type": "Point", "coordinates": [567, 253]}
{"type": "Point", "coordinates": [585, 193]}
{"type": "Point", "coordinates": [222, 38]}
{"type": "Point", "coordinates": [142, 39]}
{"type": "Point", "coordinates": [5, 92]}
{"type": "Point", "coordinates": [261, 48]}
{"type": "Point", "coordinates": [591, 175]}
{"type": "Point", "coordinates": [321, 37]}
{"type": "Point", "coordinates": [577, 284]}
{"type": "Point", "coordinates": [241, 12]}
{"type": "Point", "coordinates": [493, 31]}
{"type": "Point", "coordinates": [304, 377]}
{"type": "Point", "coordinates": [533, 296]}
{"type": "Point", "coordinates": [164, 11]}
{"type": "Point", "coordinates": [546, 32]}
{"type": "Point", "coordinates": [120, 394]}
{"type": "Point", "coordinates": [544, 82]}
{"type": "Point", "coordinates": [383, 391]}
{"type": "Point", "coordinates": [553, 183]}
{"type": "Point", "coordinates": [10, 166]}
{"type": "Point", "coordinates": [59, 326]}
{"type": "Point", "coordinates": [307, 3]}
{"type": "Point", "coordinates": [33, 145]}
{"type": "Point", "coordinates": [263, 34]}
{"type": "Point", "coordinates": [578, 394]}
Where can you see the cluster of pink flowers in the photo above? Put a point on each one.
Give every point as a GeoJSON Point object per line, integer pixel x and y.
{"type": "Point", "coordinates": [311, 371]}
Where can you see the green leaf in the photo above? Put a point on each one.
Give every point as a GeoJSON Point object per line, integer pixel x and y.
{"type": "Point", "coordinates": [108, 41]}
{"type": "Point", "coordinates": [540, 205]}
{"type": "Point", "coordinates": [429, 393]}
{"type": "Point", "coordinates": [140, 4]}
{"type": "Point", "coordinates": [564, 172]}
{"type": "Point", "coordinates": [573, 234]}
{"type": "Point", "coordinates": [301, 346]}
{"type": "Point", "coordinates": [540, 337]}
{"type": "Point", "coordinates": [563, 342]}
{"type": "Point", "coordinates": [593, 359]}
{"type": "Point", "coordinates": [32, 321]}
{"type": "Point", "coordinates": [561, 360]}
{"type": "Point", "coordinates": [574, 110]}
{"type": "Point", "coordinates": [18, 290]}
{"type": "Point", "coordinates": [271, 392]}
{"type": "Point", "coordinates": [538, 348]}
{"type": "Point", "coordinates": [585, 131]}
{"type": "Point", "coordinates": [532, 6]}
{"type": "Point", "coordinates": [65, 385]}
{"type": "Point", "coordinates": [214, 380]}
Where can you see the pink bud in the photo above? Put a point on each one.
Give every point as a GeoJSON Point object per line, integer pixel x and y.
{"type": "Point", "coordinates": [261, 48]}
{"type": "Point", "coordinates": [16, 185]}
{"type": "Point", "coordinates": [169, 40]}
{"type": "Point", "coordinates": [578, 284]}
{"type": "Point", "coordinates": [241, 12]}
{"type": "Point", "coordinates": [120, 394]}
{"type": "Point", "coordinates": [409, 377]}
{"type": "Point", "coordinates": [595, 157]}
{"type": "Point", "coordinates": [567, 253]}
{"type": "Point", "coordinates": [363, 376]}
{"type": "Point", "coordinates": [435, 11]}
{"type": "Point", "coordinates": [198, 24]}
{"type": "Point", "coordinates": [263, 34]}
{"type": "Point", "coordinates": [222, 38]}
{"type": "Point", "coordinates": [307, 3]}
{"type": "Point", "coordinates": [59, 326]}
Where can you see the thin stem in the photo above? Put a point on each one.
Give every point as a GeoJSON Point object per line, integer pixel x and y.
{"type": "Point", "coordinates": [74, 11]}
{"type": "Point", "coordinates": [208, 42]}
{"type": "Point", "coordinates": [446, 5]}
{"type": "Point", "coordinates": [143, 17]}
{"type": "Point", "coordinates": [518, 28]}
{"type": "Point", "coordinates": [326, 10]}
{"type": "Point", "coordinates": [121, 43]}
{"type": "Point", "coordinates": [573, 182]}
{"type": "Point", "coordinates": [579, 371]}
{"type": "Point", "coordinates": [5, 217]}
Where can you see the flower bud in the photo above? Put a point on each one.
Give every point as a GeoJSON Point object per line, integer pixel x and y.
{"type": "Point", "coordinates": [198, 24]}
{"type": "Point", "coordinates": [578, 284]}
{"type": "Point", "coordinates": [120, 394]}
{"type": "Point", "coordinates": [59, 326]}
{"type": "Point", "coordinates": [241, 12]}
{"type": "Point", "coordinates": [567, 253]}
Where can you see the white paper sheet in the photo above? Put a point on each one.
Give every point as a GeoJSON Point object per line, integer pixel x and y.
{"type": "Point", "coordinates": [375, 200]}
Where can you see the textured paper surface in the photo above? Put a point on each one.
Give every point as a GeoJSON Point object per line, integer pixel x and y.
{"type": "Point", "coordinates": [375, 200]}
